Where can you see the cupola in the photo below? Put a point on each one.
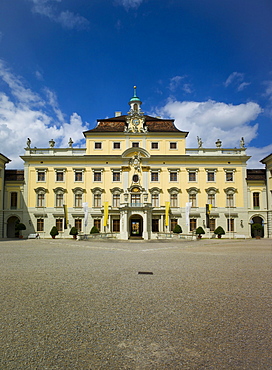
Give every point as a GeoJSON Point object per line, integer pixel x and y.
{"type": "Point", "coordinates": [135, 102]}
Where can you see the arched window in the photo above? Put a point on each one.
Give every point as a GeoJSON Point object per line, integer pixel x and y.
{"type": "Point", "coordinates": [40, 197]}
{"type": "Point", "coordinates": [174, 197]}
{"type": "Point", "coordinates": [211, 195]}
{"type": "Point", "coordinates": [97, 197]}
{"type": "Point", "coordinates": [230, 201]}
{"type": "Point", "coordinates": [78, 197]}
{"type": "Point", "coordinates": [155, 196]}
{"type": "Point", "coordinates": [59, 197]}
{"type": "Point", "coordinates": [116, 197]}
{"type": "Point", "coordinates": [193, 196]}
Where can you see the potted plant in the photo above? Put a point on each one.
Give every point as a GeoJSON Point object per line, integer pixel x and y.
{"type": "Point", "coordinates": [74, 232]}
{"type": "Point", "coordinates": [177, 229]}
{"type": "Point", "coordinates": [219, 231]}
{"type": "Point", "coordinates": [257, 230]}
{"type": "Point", "coordinates": [94, 230]}
{"type": "Point", "coordinates": [199, 231]}
{"type": "Point", "coordinates": [54, 232]}
{"type": "Point", "coordinates": [18, 227]}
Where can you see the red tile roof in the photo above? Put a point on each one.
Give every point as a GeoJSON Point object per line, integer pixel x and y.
{"type": "Point", "coordinates": [117, 124]}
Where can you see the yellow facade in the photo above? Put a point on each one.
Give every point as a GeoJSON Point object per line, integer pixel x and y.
{"type": "Point", "coordinates": [132, 168]}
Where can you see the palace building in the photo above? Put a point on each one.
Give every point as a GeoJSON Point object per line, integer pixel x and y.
{"type": "Point", "coordinates": [135, 178]}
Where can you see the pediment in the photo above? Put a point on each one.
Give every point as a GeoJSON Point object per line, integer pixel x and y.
{"type": "Point", "coordinates": [132, 151]}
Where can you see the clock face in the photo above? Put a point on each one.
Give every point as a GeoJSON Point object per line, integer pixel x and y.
{"type": "Point", "coordinates": [136, 121]}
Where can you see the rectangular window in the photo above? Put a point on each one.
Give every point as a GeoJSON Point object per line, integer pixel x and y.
{"type": "Point", "coordinates": [40, 224]}
{"type": "Point", "coordinates": [97, 176]}
{"type": "Point", "coordinates": [230, 200]}
{"type": "Point", "coordinates": [78, 200]}
{"type": "Point", "coordinates": [155, 225]}
{"type": "Point", "coordinates": [192, 224]}
{"type": "Point", "coordinates": [40, 200]}
{"type": "Point", "coordinates": [212, 224]}
{"type": "Point", "coordinates": [173, 176]}
{"type": "Point", "coordinates": [97, 224]}
{"type": "Point", "coordinates": [97, 200]}
{"type": "Point", "coordinates": [256, 200]}
{"type": "Point", "coordinates": [98, 145]}
{"type": "Point", "coordinates": [116, 200]}
{"type": "Point", "coordinates": [135, 200]}
{"type": "Point", "coordinates": [116, 176]}
{"type": "Point", "coordinates": [230, 224]}
{"type": "Point", "coordinates": [155, 200]}
{"type": "Point", "coordinates": [173, 200]}
{"type": "Point", "coordinates": [13, 200]}
{"type": "Point", "coordinates": [229, 176]}
{"type": "Point", "coordinates": [154, 176]}
{"type": "Point", "coordinates": [79, 176]}
{"type": "Point", "coordinates": [192, 176]}
{"type": "Point", "coordinates": [116, 225]}
{"type": "Point", "coordinates": [59, 224]}
{"type": "Point", "coordinates": [135, 145]}
{"type": "Point", "coordinates": [173, 145]}
{"type": "Point", "coordinates": [78, 224]}
{"type": "Point", "coordinates": [154, 145]}
{"type": "Point", "coordinates": [116, 145]}
{"type": "Point", "coordinates": [192, 199]}
{"type": "Point", "coordinates": [59, 176]}
{"type": "Point", "coordinates": [174, 222]}
{"type": "Point", "coordinates": [41, 176]}
{"type": "Point", "coordinates": [59, 200]}
{"type": "Point", "coordinates": [210, 176]}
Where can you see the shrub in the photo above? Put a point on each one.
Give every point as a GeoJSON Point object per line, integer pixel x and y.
{"type": "Point", "coordinates": [94, 230]}
{"type": "Point", "coordinates": [20, 226]}
{"type": "Point", "coordinates": [177, 229]}
{"type": "Point", "coordinates": [200, 230]}
{"type": "Point", "coordinates": [54, 231]}
{"type": "Point", "coordinates": [73, 231]}
{"type": "Point", "coordinates": [256, 227]}
{"type": "Point", "coordinates": [219, 231]}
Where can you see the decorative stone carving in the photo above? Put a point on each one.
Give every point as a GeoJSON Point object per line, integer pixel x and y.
{"type": "Point", "coordinates": [135, 162]}
{"type": "Point", "coordinates": [242, 143]}
{"type": "Point", "coordinates": [70, 143]}
{"type": "Point", "coordinates": [51, 143]}
{"type": "Point", "coordinates": [200, 142]}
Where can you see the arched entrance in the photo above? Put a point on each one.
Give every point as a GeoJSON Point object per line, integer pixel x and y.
{"type": "Point", "coordinates": [136, 226]}
{"type": "Point", "coordinates": [257, 220]}
{"type": "Point", "coordinates": [11, 232]}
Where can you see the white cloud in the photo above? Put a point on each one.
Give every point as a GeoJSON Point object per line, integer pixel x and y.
{"type": "Point", "coordinates": [213, 120]}
{"type": "Point", "coordinates": [24, 114]}
{"type": "Point", "coordinates": [258, 154]}
{"type": "Point", "coordinates": [234, 76]}
{"type": "Point", "coordinates": [236, 79]}
{"type": "Point", "coordinates": [242, 86]}
{"type": "Point", "coordinates": [175, 82]}
{"type": "Point", "coordinates": [67, 19]}
{"type": "Point", "coordinates": [130, 3]}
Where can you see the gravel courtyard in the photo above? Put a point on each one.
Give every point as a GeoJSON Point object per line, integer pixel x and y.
{"type": "Point", "coordinates": [83, 304]}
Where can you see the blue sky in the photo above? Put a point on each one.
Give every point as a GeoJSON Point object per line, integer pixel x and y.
{"type": "Point", "coordinates": [205, 63]}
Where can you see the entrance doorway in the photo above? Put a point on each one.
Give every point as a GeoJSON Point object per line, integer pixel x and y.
{"type": "Point", "coordinates": [136, 226]}
{"type": "Point", "coordinates": [11, 232]}
{"type": "Point", "coordinates": [259, 231]}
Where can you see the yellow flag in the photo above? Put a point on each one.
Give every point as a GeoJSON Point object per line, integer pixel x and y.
{"type": "Point", "coordinates": [167, 207]}
{"type": "Point", "coordinates": [106, 213]}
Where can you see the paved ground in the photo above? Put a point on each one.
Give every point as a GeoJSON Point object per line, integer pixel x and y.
{"type": "Point", "coordinates": [82, 305]}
